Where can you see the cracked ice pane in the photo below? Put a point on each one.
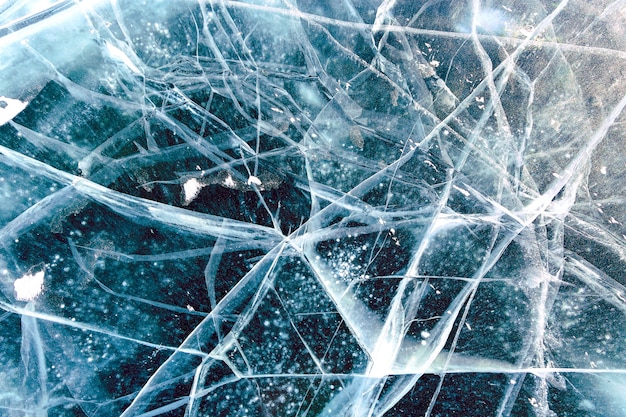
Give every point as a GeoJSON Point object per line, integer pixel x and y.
{"type": "Point", "coordinates": [320, 208]}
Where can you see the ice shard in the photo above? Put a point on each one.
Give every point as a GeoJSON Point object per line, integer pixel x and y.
{"type": "Point", "coordinates": [312, 208]}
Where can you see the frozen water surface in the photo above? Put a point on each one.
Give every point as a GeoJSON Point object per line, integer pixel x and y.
{"type": "Point", "coordinates": [314, 208]}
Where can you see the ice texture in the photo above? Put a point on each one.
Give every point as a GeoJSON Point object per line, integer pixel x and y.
{"type": "Point", "coordinates": [313, 208]}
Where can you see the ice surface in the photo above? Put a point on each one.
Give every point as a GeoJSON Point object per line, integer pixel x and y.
{"type": "Point", "coordinates": [314, 208]}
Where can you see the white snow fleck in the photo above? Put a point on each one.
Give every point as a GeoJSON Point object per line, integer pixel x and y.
{"type": "Point", "coordinates": [230, 182]}
{"type": "Point", "coordinates": [191, 189]}
{"type": "Point", "coordinates": [254, 180]}
{"type": "Point", "coordinates": [29, 286]}
{"type": "Point", "coordinates": [9, 108]}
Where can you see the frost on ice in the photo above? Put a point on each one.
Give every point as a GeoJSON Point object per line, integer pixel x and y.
{"type": "Point", "coordinates": [321, 208]}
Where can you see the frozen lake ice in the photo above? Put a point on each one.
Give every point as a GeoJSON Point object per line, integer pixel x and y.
{"type": "Point", "coordinates": [313, 208]}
